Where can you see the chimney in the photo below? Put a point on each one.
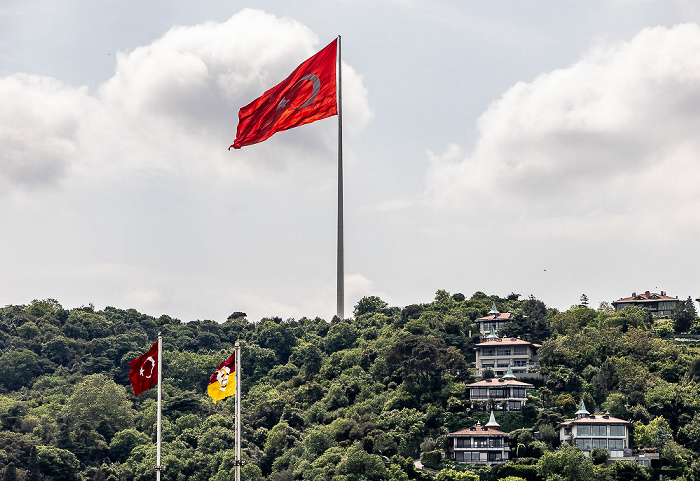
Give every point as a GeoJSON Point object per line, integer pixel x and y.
{"type": "Point", "coordinates": [663, 293]}
{"type": "Point", "coordinates": [647, 293]}
{"type": "Point", "coordinates": [634, 294]}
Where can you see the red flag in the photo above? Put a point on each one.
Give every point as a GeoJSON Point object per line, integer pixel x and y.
{"type": "Point", "coordinates": [307, 95]}
{"type": "Point", "coordinates": [144, 370]}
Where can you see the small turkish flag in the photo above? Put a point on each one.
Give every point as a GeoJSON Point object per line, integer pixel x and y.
{"type": "Point", "coordinates": [144, 370]}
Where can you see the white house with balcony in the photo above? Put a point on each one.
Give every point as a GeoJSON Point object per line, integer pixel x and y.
{"type": "Point", "coordinates": [485, 445]}
{"type": "Point", "coordinates": [497, 354]}
{"type": "Point", "coordinates": [588, 431]}
{"type": "Point", "coordinates": [494, 320]}
{"type": "Point", "coordinates": [499, 394]}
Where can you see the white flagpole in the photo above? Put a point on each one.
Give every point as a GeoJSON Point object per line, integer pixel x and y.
{"type": "Point", "coordinates": [237, 425]}
{"type": "Point", "coordinates": [158, 467]}
{"type": "Point", "coordinates": [341, 250]}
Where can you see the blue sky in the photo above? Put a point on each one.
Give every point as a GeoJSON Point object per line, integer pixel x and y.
{"type": "Point", "coordinates": [546, 148]}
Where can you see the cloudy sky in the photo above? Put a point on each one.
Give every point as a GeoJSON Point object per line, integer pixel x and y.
{"type": "Point", "coordinates": [547, 148]}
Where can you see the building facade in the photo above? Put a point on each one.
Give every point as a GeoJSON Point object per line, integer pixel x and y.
{"type": "Point", "coordinates": [588, 431]}
{"type": "Point", "coordinates": [497, 354]}
{"type": "Point", "coordinates": [484, 445]}
{"type": "Point", "coordinates": [499, 394]}
{"type": "Point", "coordinates": [494, 320]}
{"type": "Point", "coordinates": [659, 304]}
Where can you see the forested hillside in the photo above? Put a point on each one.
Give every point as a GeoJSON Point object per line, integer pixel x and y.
{"type": "Point", "coordinates": [343, 399]}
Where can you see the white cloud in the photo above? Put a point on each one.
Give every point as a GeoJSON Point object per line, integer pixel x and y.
{"type": "Point", "coordinates": [170, 109]}
{"type": "Point", "coordinates": [606, 145]}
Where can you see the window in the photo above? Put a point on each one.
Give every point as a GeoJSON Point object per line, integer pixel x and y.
{"type": "Point", "coordinates": [616, 444]}
{"type": "Point", "coordinates": [518, 392]}
{"type": "Point", "coordinates": [498, 393]}
{"type": "Point", "coordinates": [584, 430]}
{"type": "Point", "coordinates": [488, 365]}
{"type": "Point", "coordinates": [503, 363]}
{"type": "Point", "coordinates": [496, 443]}
{"type": "Point", "coordinates": [488, 352]}
{"type": "Point", "coordinates": [463, 443]}
{"type": "Point", "coordinates": [599, 430]}
{"type": "Point", "coordinates": [644, 462]}
{"type": "Point", "coordinates": [503, 352]}
{"type": "Point", "coordinates": [514, 405]}
{"type": "Point", "coordinates": [495, 457]}
{"type": "Point", "coordinates": [567, 431]}
{"type": "Point", "coordinates": [520, 350]}
{"type": "Point", "coordinates": [471, 457]}
{"type": "Point", "coordinates": [617, 430]}
{"type": "Point", "coordinates": [584, 444]}
{"type": "Point", "coordinates": [480, 393]}
{"type": "Point", "coordinates": [481, 443]}
{"type": "Point", "coordinates": [520, 362]}
{"type": "Point", "coordinates": [599, 443]}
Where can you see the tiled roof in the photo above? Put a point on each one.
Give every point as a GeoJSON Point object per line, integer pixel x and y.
{"type": "Point", "coordinates": [499, 383]}
{"type": "Point", "coordinates": [501, 316]}
{"type": "Point", "coordinates": [595, 419]}
{"type": "Point", "coordinates": [506, 341]}
{"type": "Point", "coordinates": [647, 297]}
{"type": "Point", "coordinates": [479, 431]}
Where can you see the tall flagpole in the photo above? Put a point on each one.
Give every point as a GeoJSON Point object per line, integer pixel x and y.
{"type": "Point", "coordinates": [237, 425]}
{"type": "Point", "coordinates": [341, 253]}
{"type": "Point", "coordinates": [158, 467]}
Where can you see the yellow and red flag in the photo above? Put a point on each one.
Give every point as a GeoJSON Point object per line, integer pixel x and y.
{"type": "Point", "coordinates": [222, 383]}
{"type": "Point", "coordinates": [307, 95]}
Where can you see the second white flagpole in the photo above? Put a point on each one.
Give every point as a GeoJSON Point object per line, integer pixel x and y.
{"type": "Point", "coordinates": [158, 466]}
{"type": "Point", "coordinates": [237, 425]}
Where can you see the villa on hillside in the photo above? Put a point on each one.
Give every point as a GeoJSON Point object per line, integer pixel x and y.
{"type": "Point", "coordinates": [500, 394]}
{"type": "Point", "coordinates": [494, 320]}
{"type": "Point", "coordinates": [485, 445]}
{"type": "Point", "coordinates": [497, 354]}
{"type": "Point", "coordinates": [659, 304]}
{"type": "Point", "coordinates": [588, 431]}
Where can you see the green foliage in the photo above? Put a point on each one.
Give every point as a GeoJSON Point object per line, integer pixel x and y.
{"type": "Point", "coordinates": [124, 442]}
{"type": "Point", "coordinates": [348, 400]}
{"type": "Point", "coordinates": [19, 367]}
{"type": "Point", "coordinates": [684, 315]}
{"type": "Point", "coordinates": [566, 463]}
{"type": "Point", "coordinates": [655, 434]}
{"type": "Point", "coordinates": [453, 475]}
{"type": "Point", "coordinates": [56, 463]}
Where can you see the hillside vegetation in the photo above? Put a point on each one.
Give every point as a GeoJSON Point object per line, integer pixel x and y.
{"type": "Point", "coordinates": [343, 400]}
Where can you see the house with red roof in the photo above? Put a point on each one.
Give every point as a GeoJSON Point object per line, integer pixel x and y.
{"type": "Point", "coordinates": [498, 354]}
{"type": "Point", "coordinates": [494, 320]}
{"type": "Point", "coordinates": [500, 394]}
{"type": "Point", "coordinates": [588, 431]}
{"type": "Point", "coordinates": [659, 304]}
{"type": "Point", "coordinates": [484, 445]}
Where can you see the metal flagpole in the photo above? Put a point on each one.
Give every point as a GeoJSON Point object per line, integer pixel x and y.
{"type": "Point", "coordinates": [341, 253]}
{"type": "Point", "coordinates": [237, 425]}
{"type": "Point", "coordinates": [158, 467]}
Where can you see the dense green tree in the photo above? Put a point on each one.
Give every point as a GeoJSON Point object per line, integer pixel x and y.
{"type": "Point", "coordinates": [124, 442]}
{"type": "Point", "coordinates": [567, 463]}
{"type": "Point", "coordinates": [369, 305]}
{"type": "Point", "coordinates": [684, 315]}
{"type": "Point", "coordinates": [19, 367]}
{"type": "Point", "coordinates": [57, 464]}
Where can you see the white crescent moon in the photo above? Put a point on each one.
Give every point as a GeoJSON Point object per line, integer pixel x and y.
{"type": "Point", "coordinates": [316, 88]}
{"type": "Point", "coordinates": [153, 365]}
